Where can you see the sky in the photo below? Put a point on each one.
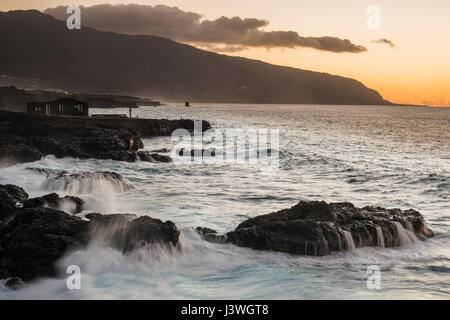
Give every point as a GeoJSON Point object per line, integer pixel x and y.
{"type": "Point", "coordinates": [406, 59]}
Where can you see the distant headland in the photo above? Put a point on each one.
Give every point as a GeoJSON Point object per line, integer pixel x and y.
{"type": "Point", "coordinates": [96, 62]}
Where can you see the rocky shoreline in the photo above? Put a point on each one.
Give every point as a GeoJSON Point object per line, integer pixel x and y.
{"type": "Point", "coordinates": [28, 138]}
{"type": "Point", "coordinates": [36, 233]}
{"type": "Point", "coordinates": [316, 228]}
{"type": "Point", "coordinates": [81, 181]}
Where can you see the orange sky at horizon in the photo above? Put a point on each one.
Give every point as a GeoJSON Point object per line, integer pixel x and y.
{"type": "Point", "coordinates": [416, 71]}
{"type": "Point", "coordinates": [432, 89]}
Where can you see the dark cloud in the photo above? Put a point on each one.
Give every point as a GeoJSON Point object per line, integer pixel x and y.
{"type": "Point", "coordinates": [385, 41]}
{"type": "Point", "coordinates": [222, 34]}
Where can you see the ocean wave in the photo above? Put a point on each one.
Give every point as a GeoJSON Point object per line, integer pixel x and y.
{"type": "Point", "coordinates": [156, 273]}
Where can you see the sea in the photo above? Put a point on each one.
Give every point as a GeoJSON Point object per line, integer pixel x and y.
{"type": "Point", "coordinates": [387, 156]}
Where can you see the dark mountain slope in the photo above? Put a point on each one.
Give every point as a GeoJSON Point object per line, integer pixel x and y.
{"type": "Point", "coordinates": [36, 46]}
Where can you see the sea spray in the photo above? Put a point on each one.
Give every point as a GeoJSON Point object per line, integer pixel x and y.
{"type": "Point", "coordinates": [98, 189]}
{"type": "Point", "coordinates": [380, 237]}
{"type": "Point", "coordinates": [405, 236]}
{"type": "Point", "coordinates": [349, 240]}
{"type": "Point", "coordinates": [86, 182]}
{"type": "Point", "coordinates": [224, 271]}
{"type": "Point", "coordinates": [339, 242]}
{"type": "Point", "coordinates": [150, 272]}
{"type": "Point", "coordinates": [409, 226]}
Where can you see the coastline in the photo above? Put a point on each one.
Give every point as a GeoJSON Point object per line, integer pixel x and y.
{"type": "Point", "coordinates": [176, 193]}
{"type": "Point", "coordinates": [26, 138]}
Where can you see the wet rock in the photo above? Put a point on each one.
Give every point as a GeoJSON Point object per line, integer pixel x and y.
{"type": "Point", "coordinates": [153, 127]}
{"type": "Point", "coordinates": [216, 238]}
{"type": "Point", "coordinates": [211, 152]}
{"type": "Point", "coordinates": [125, 233]}
{"type": "Point", "coordinates": [317, 228]}
{"type": "Point", "coordinates": [163, 150]}
{"type": "Point", "coordinates": [41, 171]}
{"type": "Point", "coordinates": [153, 157]}
{"type": "Point", "coordinates": [84, 181]}
{"type": "Point", "coordinates": [211, 235]}
{"type": "Point", "coordinates": [13, 153]}
{"type": "Point", "coordinates": [36, 238]}
{"type": "Point", "coordinates": [39, 235]}
{"type": "Point", "coordinates": [13, 283]}
{"type": "Point", "coordinates": [26, 138]}
{"type": "Point", "coordinates": [203, 231]}
{"type": "Point", "coordinates": [68, 204]}
{"type": "Point", "coordinates": [98, 217]}
{"type": "Point", "coordinates": [11, 198]}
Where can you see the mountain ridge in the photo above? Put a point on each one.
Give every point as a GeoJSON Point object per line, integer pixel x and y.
{"type": "Point", "coordinates": [41, 48]}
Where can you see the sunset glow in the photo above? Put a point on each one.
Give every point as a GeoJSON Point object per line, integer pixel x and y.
{"type": "Point", "coordinates": [415, 71]}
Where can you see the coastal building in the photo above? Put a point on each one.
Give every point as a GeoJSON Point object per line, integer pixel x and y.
{"type": "Point", "coordinates": [59, 107]}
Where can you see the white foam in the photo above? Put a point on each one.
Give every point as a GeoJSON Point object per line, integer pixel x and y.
{"type": "Point", "coordinates": [380, 237]}
{"type": "Point", "coordinates": [85, 184]}
{"type": "Point", "coordinates": [152, 272]}
{"type": "Point", "coordinates": [405, 236]}
{"type": "Point", "coordinates": [349, 240]}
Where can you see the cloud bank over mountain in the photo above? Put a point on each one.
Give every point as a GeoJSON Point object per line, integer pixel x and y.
{"type": "Point", "coordinates": [222, 34]}
{"type": "Point", "coordinates": [43, 53]}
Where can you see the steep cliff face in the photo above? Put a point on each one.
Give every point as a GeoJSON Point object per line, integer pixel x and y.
{"type": "Point", "coordinates": [42, 50]}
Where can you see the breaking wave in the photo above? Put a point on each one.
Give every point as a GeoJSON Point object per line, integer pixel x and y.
{"type": "Point", "coordinates": [326, 153]}
{"type": "Point", "coordinates": [86, 182]}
